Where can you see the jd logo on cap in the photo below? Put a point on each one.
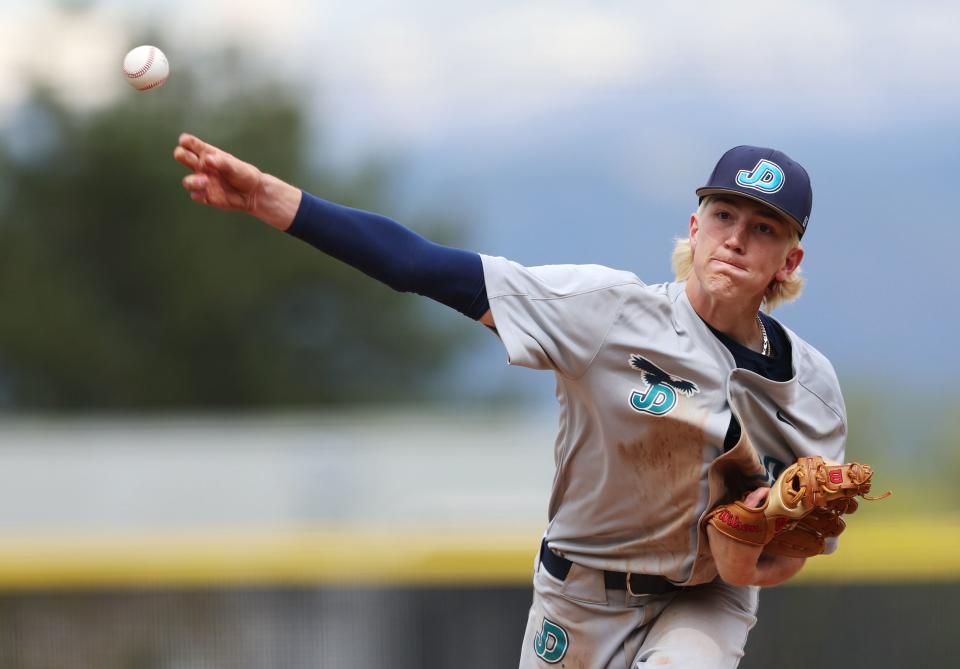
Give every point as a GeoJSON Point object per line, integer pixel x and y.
{"type": "Point", "coordinates": [766, 177]}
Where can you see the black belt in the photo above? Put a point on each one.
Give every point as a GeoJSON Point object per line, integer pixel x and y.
{"type": "Point", "coordinates": [636, 584]}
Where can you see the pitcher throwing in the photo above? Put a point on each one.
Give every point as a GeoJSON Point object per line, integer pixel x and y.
{"type": "Point", "coordinates": [676, 399]}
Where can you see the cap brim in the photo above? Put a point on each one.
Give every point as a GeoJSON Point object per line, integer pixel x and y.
{"type": "Point", "coordinates": [703, 192]}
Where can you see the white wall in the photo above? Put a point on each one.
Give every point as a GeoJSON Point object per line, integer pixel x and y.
{"type": "Point", "coordinates": [275, 471]}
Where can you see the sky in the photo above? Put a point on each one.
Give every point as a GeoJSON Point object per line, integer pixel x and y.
{"type": "Point", "coordinates": [575, 131]}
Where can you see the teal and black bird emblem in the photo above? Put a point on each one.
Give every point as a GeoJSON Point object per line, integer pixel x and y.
{"type": "Point", "coordinates": [653, 375]}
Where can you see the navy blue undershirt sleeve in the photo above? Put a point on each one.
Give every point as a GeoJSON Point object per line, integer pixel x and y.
{"type": "Point", "coordinates": [387, 251]}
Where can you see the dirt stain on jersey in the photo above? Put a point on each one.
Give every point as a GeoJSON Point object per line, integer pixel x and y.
{"type": "Point", "coordinates": [668, 461]}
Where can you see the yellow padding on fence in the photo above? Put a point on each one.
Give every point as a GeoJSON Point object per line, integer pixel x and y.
{"type": "Point", "coordinates": [894, 550]}
{"type": "Point", "coordinates": [322, 556]}
{"type": "Point", "coordinates": [891, 551]}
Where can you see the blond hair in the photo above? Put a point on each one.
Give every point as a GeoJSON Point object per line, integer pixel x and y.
{"type": "Point", "coordinates": [777, 293]}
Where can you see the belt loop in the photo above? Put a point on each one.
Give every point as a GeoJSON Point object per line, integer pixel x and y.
{"type": "Point", "coordinates": [629, 588]}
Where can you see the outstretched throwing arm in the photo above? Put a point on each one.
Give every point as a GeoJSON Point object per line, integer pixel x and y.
{"type": "Point", "coordinates": [376, 245]}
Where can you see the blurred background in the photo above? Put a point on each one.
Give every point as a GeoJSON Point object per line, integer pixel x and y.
{"type": "Point", "coordinates": [219, 448]}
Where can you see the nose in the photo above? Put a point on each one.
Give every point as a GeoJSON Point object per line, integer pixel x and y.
{"type": "Point", "coordinates": [736, 237]}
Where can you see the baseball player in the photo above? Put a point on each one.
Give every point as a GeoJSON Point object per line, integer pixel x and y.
{"type": "Point", "coordinates": [674, 398]}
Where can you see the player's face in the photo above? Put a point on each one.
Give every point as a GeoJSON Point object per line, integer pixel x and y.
{"type": "Point", "coordinates": [740, 246]}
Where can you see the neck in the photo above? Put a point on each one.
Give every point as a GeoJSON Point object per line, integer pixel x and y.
{"type": "Point", "coordinates": [735, 318]}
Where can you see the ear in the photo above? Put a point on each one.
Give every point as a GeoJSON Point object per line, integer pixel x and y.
{"type": "Point", "coordinates": [694, 229]}
{"type": "Point", "coordinates": [790, 264]}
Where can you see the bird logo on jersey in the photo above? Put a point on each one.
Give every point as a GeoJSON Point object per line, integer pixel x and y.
{"type": "Point", "coordinates": [662, 388]}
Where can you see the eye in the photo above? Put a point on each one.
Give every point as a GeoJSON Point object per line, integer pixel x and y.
{"type": "Point", "coordinates": [765, 229]}
{"type": "Point", "coordinates": [723, 215]}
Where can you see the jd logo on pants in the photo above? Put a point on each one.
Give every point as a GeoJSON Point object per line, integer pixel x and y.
{"type": "Point", "coordinates": [766, 177]}
{"type": "Point", "coordinates": [550, 643]}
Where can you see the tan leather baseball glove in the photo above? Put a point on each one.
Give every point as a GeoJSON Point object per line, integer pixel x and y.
{"type": "Point", "coordinates": [803, 509]}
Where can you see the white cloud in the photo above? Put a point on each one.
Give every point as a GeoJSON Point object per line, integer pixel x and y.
{"type": "Point", "coordinates": [77, 55]}
{"type": "Point", "coordinates": [836, 62]}
{"type": "Point", "coordinates": [278, 32]}
{"type": "Point", "coordinates": [836, 65]}
{"type": "Point", "coordinates": [401, 69]}
{"type": "Point", "coordinates": [536, 45]}
{"type": "Point", "coordinates": [78, 52]}
{"type": "Point", "coordinates": [481, 67]}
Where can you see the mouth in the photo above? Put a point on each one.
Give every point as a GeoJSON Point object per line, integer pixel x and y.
{"type": "Point", "coordinates": [729, 264]}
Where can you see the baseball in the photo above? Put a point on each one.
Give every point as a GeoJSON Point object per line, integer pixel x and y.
{"type": "Point", "coordinates": [146, 67]}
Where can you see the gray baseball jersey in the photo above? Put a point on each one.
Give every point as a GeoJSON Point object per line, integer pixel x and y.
{"type": "Point", "coordinates": [646, 394]}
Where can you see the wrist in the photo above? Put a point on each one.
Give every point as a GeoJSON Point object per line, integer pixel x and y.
{"type": "Point", "coordinates": [276, 202]}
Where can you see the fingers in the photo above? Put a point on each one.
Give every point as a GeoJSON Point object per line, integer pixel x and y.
{"type": "Point", "coordinates": [195, 182]}
{"type": "Point", "coordinates": [196, 185]}
{"type": "Point", "coordinates": [193, 144]}
{"type": "Point", "coordinates": [195, 154]}
{"type": "Point", "coordinates": [214, 160]}
{"type": "Point", "coordinates": [191, 151]}
{"type": "Point", "coordinates": [218, 179]}
{"type": "Point", "coordinates": [187, 158]}
{"type": "Point", "coordinates": [756, 498]}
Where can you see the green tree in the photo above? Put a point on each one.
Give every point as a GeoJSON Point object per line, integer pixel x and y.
{"type": "Point", "coordinates": [118, 292]}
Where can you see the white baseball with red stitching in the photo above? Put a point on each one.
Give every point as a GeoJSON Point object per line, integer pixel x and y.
{"type": "Point", "coordinates": [146, 67]}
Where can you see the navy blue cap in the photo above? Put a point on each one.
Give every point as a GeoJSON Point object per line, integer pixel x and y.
{"type": "Point", "coordinates": [767, 176]}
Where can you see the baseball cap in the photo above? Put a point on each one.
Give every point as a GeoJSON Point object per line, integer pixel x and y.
{"type": "Point", "coordinates": [767, 176]}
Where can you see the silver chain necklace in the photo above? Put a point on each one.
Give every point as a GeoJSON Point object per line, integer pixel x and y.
{"type": "Point", "coordinates": [766, 340]}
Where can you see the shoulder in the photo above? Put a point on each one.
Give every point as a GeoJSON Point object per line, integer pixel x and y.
{"type": "Point", "coordinates": [505, 277]}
